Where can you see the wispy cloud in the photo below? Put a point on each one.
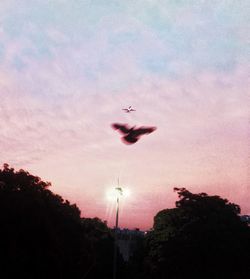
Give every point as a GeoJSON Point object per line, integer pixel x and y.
{"type": "Point", "coordinates": [68, 68]}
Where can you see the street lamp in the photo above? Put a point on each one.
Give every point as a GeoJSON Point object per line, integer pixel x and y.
{"type": "Point", "coordinates": [119, 192]}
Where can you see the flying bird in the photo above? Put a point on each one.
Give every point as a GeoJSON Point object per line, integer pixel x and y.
{"type": "Point", "coordinates": [129, 109]}
{"type": "Point", "coordinates": [132, 135]}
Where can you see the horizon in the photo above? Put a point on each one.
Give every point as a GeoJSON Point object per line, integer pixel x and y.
{"type": "Point", "coordinates": [68, 70]}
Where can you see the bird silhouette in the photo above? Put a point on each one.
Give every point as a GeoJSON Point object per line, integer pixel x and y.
{"type": "Point", "coordinates": [132, 135]}
{"type": "Point", "coordinates": [129, 109]}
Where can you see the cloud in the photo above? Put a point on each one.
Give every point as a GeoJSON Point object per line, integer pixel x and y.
{"type": "Point", "coordinates": [65, 78]}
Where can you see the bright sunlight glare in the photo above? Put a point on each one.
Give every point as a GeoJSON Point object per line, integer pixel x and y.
{"type": "Point", "coordinates": [113, 193]}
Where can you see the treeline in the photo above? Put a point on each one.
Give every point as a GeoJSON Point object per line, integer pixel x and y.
{"type": "Point", "coordinates": [43, 236]}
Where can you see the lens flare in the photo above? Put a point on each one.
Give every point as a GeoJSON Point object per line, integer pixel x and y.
{"type": "Point", "coordinates": [113, 193]}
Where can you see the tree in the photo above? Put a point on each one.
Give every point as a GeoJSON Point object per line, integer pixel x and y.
{"type": "Point", "coordinates": [135, 266]}
{"type": "Point", "coordinates": [41, 235]}
{"type": "Point", "coordinates": [203, 237]}
{"type": "Point", "coordinates": [102, 243]}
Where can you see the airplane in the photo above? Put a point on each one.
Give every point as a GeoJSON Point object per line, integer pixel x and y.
{"type": "Point", "coordinates": [132, 135]}
{"type": "Point", "coordinates": [129, 109]}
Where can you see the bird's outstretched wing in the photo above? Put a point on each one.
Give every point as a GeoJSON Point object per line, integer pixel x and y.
{"type": "Point", "coordinates": [125, 110]}
{"type": "Point", "coordinates": [123, 128]}
{"type": "Point", "coordinates": [143, 130]}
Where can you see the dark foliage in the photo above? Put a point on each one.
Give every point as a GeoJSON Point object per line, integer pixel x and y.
{"type": "Point", "coordinates": [43, 236]}
{"type": "Point", "coordinates": [203, 237]}
{"type": "Point", "coordinates": [135, 266]}
{"type": "Point", "coordinates": [102, 243]}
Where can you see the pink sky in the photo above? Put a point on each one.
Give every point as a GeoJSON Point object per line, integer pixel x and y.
{"type": "Point", "coordinates": [64, 78]}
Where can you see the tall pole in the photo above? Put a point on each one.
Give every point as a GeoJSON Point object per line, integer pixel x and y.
{"type": "Point", "coordinates": [115, 242]}
{"type": "Point", "coordinates": [119, 192]}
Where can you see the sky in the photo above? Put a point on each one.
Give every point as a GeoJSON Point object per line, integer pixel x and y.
{"type": "Point", "coordinates": [67, 68]}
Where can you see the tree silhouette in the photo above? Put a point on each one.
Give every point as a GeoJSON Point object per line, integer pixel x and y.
{"type": "Point", "coordinates": [203, 237]}
{"type": "Point", "coordinates": [41, 235]}
{"type": "Point", "coordinates": [102, 241]}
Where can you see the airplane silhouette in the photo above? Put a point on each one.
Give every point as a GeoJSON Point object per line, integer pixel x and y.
{"type": "Point", "coordinates": [132, 135]}
{"type": "Point", "coordinates": [129, 109]}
